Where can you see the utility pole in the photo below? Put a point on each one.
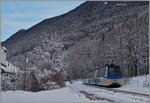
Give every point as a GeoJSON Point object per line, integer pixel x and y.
{"type": "Point", "coordinates": [121, 52]}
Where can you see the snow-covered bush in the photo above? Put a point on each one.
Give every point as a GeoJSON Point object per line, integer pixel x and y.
{"type": "Point", "coordinates": [139, 82]}
{"type": "Point", "coordinates": [146, 81]}
{"type": "Point", "coordinates": [8, 82]}
{"type": "Point", "coordinates": [51, 85]}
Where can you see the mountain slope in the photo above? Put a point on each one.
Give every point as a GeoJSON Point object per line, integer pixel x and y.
{"type": "Point", "coordinates": [84, 38]}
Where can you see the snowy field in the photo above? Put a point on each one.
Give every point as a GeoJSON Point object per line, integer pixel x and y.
{"type": "Point", "coordinates": [72, 93]}
{"type": "Point", "coordinates": [58, 95]}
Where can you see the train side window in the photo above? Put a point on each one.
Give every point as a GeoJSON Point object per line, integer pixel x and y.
{"type": "Point", "coordinates": [90, 74]}
{"type": "Point", "coordinates": [87, 76]}
{"type": "Point", "coordinates": [104, 71]}
{"type": "Point", "coordinates": [93, 74]}
{"type": "Point", "coordinates": [98, 73]}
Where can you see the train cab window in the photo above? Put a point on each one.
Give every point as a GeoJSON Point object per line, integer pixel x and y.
{"type": "Point", "coordinates": [114, 71]}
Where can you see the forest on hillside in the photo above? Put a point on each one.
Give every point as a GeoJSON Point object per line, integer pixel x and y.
{"type": "Point", "coordinates": [89, 36]}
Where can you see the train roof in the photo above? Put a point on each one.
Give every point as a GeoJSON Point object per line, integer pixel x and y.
{"type": "Point", "coordinates": [112, 65]}
{"type": "Point", "coordinates": [109, 65]}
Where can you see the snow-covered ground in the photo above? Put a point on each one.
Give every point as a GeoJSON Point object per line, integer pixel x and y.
{"type": "Point", "coordinates": [78, 92]}
{"type": "Point", "coordinates": [138, 84]}
{"type": "Point", "coordinates": [58, 95]}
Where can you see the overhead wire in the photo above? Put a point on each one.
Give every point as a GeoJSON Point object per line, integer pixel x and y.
{"type": "Point", "coordinates": [13, 13]}
{"type": "Point", "coordinates": [17, 5]}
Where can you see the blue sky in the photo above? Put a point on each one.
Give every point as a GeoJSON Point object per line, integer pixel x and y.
{"type": "Point", "coordinates": [12, 18]}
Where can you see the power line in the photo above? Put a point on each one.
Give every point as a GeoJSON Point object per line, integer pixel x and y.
{"type": "Point", "coordinates": [13, 13]}
{"type": "Point", "coordinates": [22, 12]}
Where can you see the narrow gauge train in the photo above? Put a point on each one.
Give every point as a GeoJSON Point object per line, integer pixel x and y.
{"type": "Point", "coordinates": [109, 75]}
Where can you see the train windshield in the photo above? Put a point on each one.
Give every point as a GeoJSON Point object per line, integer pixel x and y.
{"type": "Point", "coordinates": [114, 71]}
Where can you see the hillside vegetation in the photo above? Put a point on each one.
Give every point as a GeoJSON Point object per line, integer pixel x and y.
{"type": "Point", "coordinates": [92, 35]}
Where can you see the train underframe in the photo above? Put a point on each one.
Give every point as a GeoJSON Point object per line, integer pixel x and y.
{"type": "Point", "coordinates": [104, 82]}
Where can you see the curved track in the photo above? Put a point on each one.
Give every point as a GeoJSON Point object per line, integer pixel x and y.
{"type": "Point", "coordinates": [120, 91]}
{"type": "Point", "coordinates": [99, 93]}
{"type": "Point", "coordinates": [91, 96]}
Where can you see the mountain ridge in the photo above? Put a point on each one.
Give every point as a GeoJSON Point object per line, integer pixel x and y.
{"type": "Point", "coordinates": [83, 39]}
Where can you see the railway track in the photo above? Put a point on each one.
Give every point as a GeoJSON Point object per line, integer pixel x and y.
{"type": "Point", "coordinates": [91, 96]}
{"type": "Point", "coordinates": [120, 91]}
{"type": "Point", "coordinates": [97, 94]}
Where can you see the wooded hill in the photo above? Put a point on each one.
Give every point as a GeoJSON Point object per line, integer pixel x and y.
{"type": "Point", "coordinates": [92, 35]}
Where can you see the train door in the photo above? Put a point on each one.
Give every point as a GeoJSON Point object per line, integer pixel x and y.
{"type": "Point", "coordinates": [95, 77]}
{"type": "Point", "coordinates": [92, 77]}
{"type": "Point", "coordinates": [98, 76]}
{"type": "Point", "coordinates": [104, 75]}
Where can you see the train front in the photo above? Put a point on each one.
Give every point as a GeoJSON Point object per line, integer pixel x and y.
{"type": "Point", "coordinates": [114, 76]}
